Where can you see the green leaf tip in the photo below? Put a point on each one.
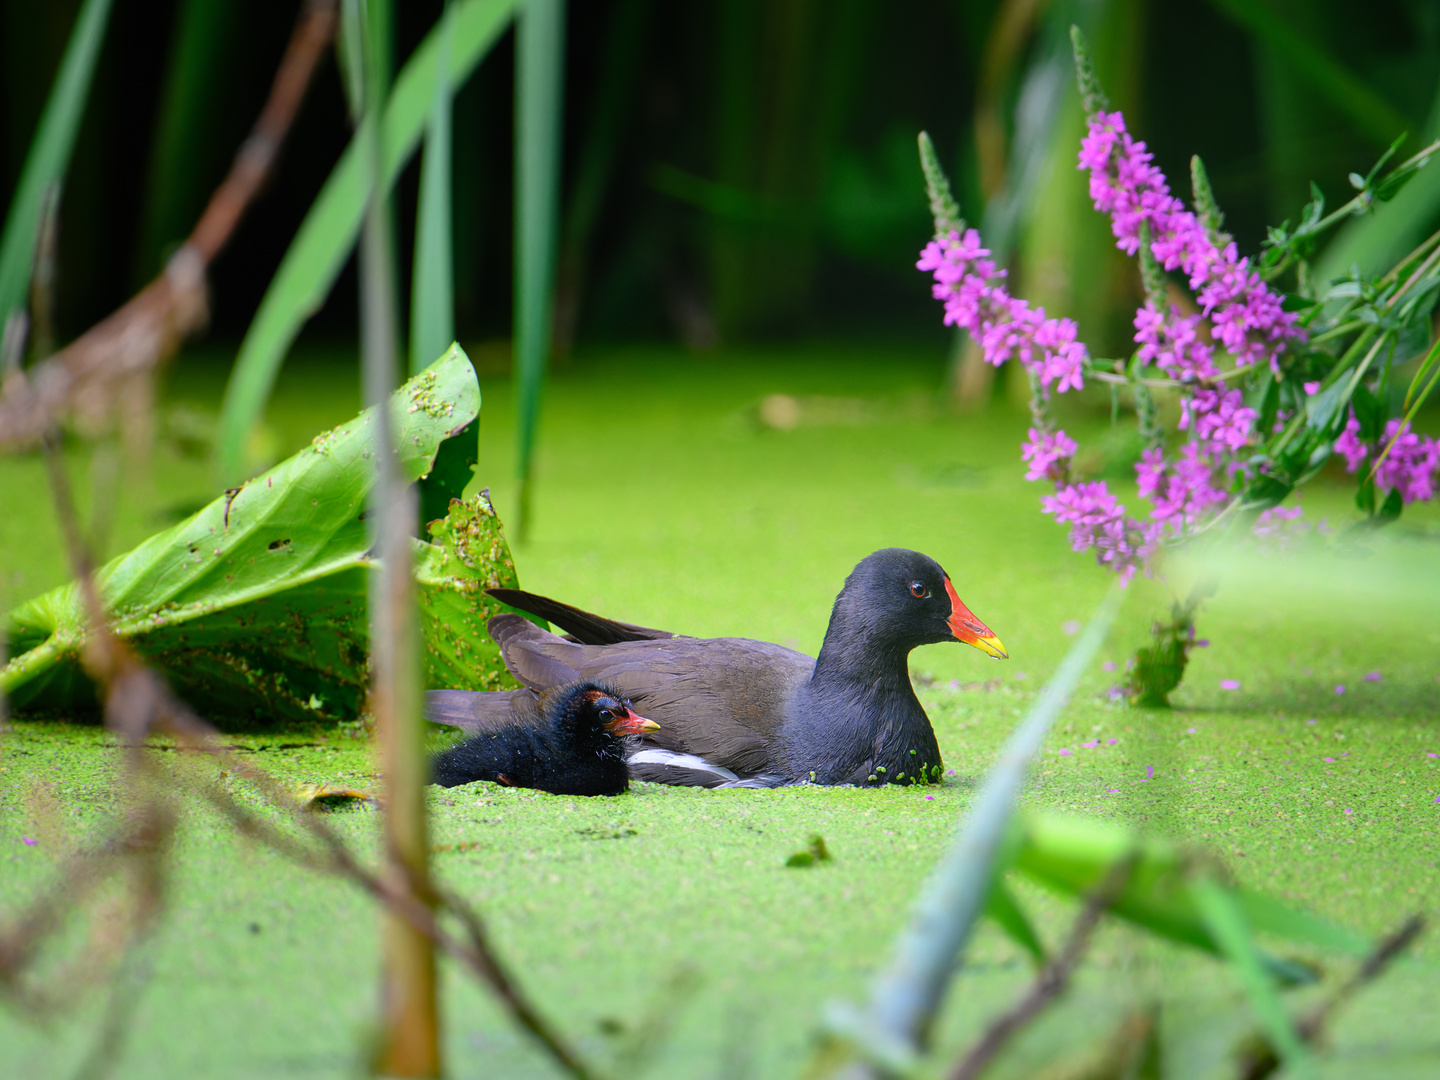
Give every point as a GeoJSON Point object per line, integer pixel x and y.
{"type": "Point", "coordinates": [1092, 96]}
{"type": "Point", "coordinates": [943, 207]}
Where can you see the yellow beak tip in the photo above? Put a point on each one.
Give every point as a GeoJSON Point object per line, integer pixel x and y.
{"type": "Point", "coordinates": [991, 646]}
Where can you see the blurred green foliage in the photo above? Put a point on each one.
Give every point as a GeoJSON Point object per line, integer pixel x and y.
{"type": "Point", "coordinates": [742, 169]}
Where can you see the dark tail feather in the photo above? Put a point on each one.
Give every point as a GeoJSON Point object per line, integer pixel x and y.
{"type": "Point", "coordinates": [584, 627]}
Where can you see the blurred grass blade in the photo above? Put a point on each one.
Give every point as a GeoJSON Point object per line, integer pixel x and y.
{"type": "Point", "coordinates": [1269, 916]}
{"type": "Point", "coordinates": [906, 995]}
{"type": "Point", "coordinates": [1072, 855]}
{"type": "Point", "coordinates": [539, 86]}
{"type": "Point", "coordinates": [1348, 93]}
{"type": "Point", "coordinates": [1227, 924]}
{"type": "Point", "coordinates": [328, 233]}
{"type": "Point", "coordinates": [49, 155]}
{"type": "Point", "coordinates": [432, 299]}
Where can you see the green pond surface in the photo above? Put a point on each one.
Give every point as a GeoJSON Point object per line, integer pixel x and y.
{"type": "Point", "coordinates": [661, 930]}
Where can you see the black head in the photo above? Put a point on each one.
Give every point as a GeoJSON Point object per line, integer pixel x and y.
{"type": "Point", "coordinates": [897, 599]}
{"type": "Point", "coordinates": [587, 713]}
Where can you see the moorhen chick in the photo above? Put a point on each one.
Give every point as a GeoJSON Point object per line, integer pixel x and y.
{"type": "Point", "coordinates": [736, 711]}
{"type": "Point", "coordinates": [566, 740]}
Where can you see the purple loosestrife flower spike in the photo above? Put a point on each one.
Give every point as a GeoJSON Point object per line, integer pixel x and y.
{"type": "Point", "coordinates": [943, 207]}
{"type": "Point", "coordinates": [1410, 468]}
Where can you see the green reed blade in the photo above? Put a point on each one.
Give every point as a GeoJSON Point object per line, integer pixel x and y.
{"type": "Point", "coordinates": [328, 234]}
{"type": "Point", "coordinates": [49, 155]}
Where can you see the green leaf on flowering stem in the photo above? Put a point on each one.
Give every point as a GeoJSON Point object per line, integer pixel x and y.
{"type": "Point", "coordinates": [1092, 95]}
{"type": "Point", "coordinates": [1388, 188]}
{"type": "Point", "coordinates": [256, 606]}
{"type": "Point", "coordinates": [1268, 490]}
{"type": "Point", "coordinates": [49, 154]}
{"type": "Point", "coordinates": [1369, 412]}
{"type": "Point", "coordinates": [1369, 179]}
{"type": "Point", "coordinates": [1391, 508]}
{"type": "Point", "coordinates": [943, 207]}
{"type": "Point", "coordinates": [325, 238]}
{"type": "Point", "coordinates": [1365, 495]}
{"type": "Point", "coordinates": [1322, 408]}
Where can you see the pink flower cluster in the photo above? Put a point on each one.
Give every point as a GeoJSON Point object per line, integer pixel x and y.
{"type": "Point", "coordinates": [1237, 310]}
{"type": "Point", "coordinates": [1098, 521]}
{"type": "Point", "coordinates": [1409, 468]}
{"type": "Point", "coordinates": [1049, 455]}
{"type": "Point", "coordinates": [1183, 494]}
{"type": "Point", "coordinates": [973, 289]}
{"type": "Point", "coordinates": [1244, 314]}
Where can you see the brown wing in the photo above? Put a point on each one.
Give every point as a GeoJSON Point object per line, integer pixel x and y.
{"type": "Point", "coordinates": [721, 698]}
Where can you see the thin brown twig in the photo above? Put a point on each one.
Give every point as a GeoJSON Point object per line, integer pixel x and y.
{"type": "Point", "coordinates": [1052, 981]}
{"type": "Point", "coordinates": [336, 858]}
{"type": "Point", "coordinates": [85, 378]}
{"type": "Point", "coordinates": [1259, 1060]}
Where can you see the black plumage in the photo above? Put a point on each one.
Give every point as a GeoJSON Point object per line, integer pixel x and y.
{"type": "Point", "coordinates": [565, 740]}
{"type": "Point", "coordinates": [738, 711]}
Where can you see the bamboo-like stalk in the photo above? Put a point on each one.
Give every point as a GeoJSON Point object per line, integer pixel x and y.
{"type": "Point", "coordinates": [539, 89]}
{"type": "Point", "coordinates": [409, 1043]}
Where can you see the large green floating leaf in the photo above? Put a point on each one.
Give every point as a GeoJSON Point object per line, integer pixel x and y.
{"type": "Point", "coordinates": [255, 607]}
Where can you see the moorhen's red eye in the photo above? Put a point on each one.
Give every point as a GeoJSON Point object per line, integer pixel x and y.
{"type": "Point", "coordinates": [918, 590]}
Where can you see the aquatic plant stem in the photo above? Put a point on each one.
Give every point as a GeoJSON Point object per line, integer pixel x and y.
{"type": "Point", "coordinates": [409, 1040]}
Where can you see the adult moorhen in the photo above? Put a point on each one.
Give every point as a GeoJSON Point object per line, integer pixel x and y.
{"type": "Point", "coordinates": [566, 740]}
{"type": "Point", "coordinates": [736, 711]}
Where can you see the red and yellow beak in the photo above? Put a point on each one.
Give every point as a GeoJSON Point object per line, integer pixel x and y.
{"type": "Point", "coordinates": [967, 628]}
{"type": "Point", "coordinates": [631, 724]}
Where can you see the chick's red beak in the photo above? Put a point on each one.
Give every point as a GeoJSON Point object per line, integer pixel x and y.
{"type": "Point", "coordinates": [631, 724]}
{"type": "Point", "coordinates": [967, 628]}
